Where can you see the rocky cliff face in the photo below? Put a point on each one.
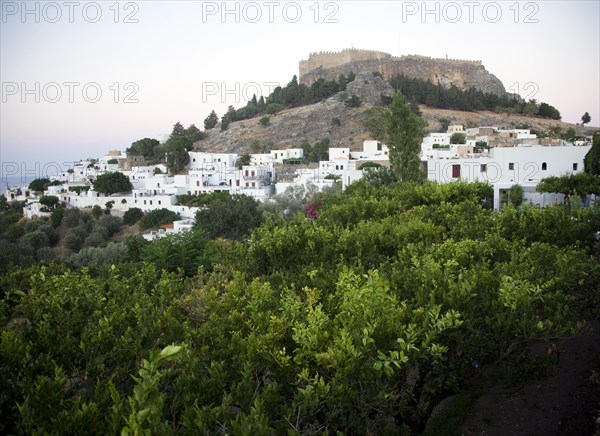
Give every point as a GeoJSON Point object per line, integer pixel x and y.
{"type": "Point", "coordinates": [287, 129]}
{"type": "Point", "coordinates": [461, 73]}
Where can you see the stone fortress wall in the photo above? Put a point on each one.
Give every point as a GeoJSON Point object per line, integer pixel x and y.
{"type": "Point", "coordinates": [460, 72]}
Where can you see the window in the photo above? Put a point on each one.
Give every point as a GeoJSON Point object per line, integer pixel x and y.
{"type": "Point", "coordinates": [483, 168]}
{"type": "Point", "coordinates": [455, 171]}
{"type": "Point", "coordinates": [544, 166]}
{"type": "Point", "coordinates": [253, 184]}
{"type": "Point", "coordinates": [511, 166]}
{"type": "Point", "coordinates": [237, 183]}
{"type": "Point", "coordinates": [198, 183]}
{"type": "Point", "coordinates": [159, 202]}
{"type": "Point", "coordinates": [341, 167]}
{"type": "Point", "coordinates": [574, 167]}
{"type": "Point", "coordinates": [252, 173]}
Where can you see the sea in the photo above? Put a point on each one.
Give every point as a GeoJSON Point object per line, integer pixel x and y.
{"type": "Point", "coordinates": [15, 181]}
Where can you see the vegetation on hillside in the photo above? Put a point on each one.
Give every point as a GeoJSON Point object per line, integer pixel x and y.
{"type": "Point", "coordinates": [425, 92]}
{"type": "Point", "coordinates": [359, 318]}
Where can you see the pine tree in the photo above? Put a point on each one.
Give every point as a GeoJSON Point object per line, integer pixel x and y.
{"type": "Point", "coordinates": [405, 134]}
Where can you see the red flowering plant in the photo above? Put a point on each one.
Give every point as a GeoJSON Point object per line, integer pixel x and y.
{"type": "Point", "coordinates": [312, 210]}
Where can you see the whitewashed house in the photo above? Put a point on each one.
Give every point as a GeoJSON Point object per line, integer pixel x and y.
{"type": "Point", "coordinates": [504, 167]}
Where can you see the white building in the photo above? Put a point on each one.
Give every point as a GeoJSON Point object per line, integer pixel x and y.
{"type": "Point", "coordinates": [170, 229]}
{"type": "Point", "coordinates": [504, 167]}
{"type": "Point", "coordinates": [372, 151]}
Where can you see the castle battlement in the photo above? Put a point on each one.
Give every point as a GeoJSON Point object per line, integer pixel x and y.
{"type": "Point", "coordinates": [332, 59]}
{"type": "Point", "coordinates": [330, 64]}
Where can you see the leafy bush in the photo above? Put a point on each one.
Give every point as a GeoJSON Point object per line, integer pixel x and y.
{"type": "Point", "coordinates": [71, 218]}
{"type": "Point", "coordinates": [230, 217]}
{"type": "Point", "coordinates": [111, 183]}
{"type": "Point", "coordinates": [79, 189]}
{"type": "Point", "coordinates": [72, 241]}
{"type": "Point", "coordinates": [111, 223]}
{"type": "Point", "coordinates": [396, 296]}
{"type": "Point", "coordinates": [155, 218]}
{"type": "Point", "coordinates": [132, 216]}
{"type": "Point", "coordinates": [99, 257]}
{"type": "Point", "coordinates": [49, 200]}
{"type": "Point", "coordinates": [97, 238]}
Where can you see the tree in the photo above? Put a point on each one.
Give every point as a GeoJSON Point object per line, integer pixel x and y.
{"type": "Point", "coordinates": [375, 122]}
{"type": "Point", "coordinates": [132, 216]}
{"type": "Point", "coordinates": [175, 142]}
{"type": "Point", "coordinates": [514, 195]}
{"type": "Point", "coordinates": [155, 218]}
{"type": "Point", "coordinates": [530, 108]}
{"type": "Point", "coordinates": [109, 205]}
{"type": "Point", "coordinates": [211, 120]}
{"type": "Point", "coordinates": [177, 159]}
{"type": "Point", "coordinates": [194, 134]}
{"type": "Point", "coordinates": [405, 133]}
{"type": "Point", "coordinates": [112, 224]}
{"type": "Point", "coordinates": [548, 111]}
{"type": "Point", "coordinates": [592, 158]}
{"type": "Point", "coordinates": [49, 200]}
{"type": "Point", "coordinates": [185, 251]}
{"type": "Point", "coordinates": [580, 184]}
{"type": "Point", "coordinates": [378, 176]}
{"type": "Point", "coordinates": [264, 121]}
{"type": "Point", "coordinates": [319, 151]}
{"type": "Point", "coordinates": [585, 118]}
{"type": "Point", "coordinates": [242, 160]}
{"type": "Point", "coordinates": [273, 108]}
{"type": "Point", "coordinates": [111, 183]}
{"type": "Point", "coordinates": [39, 185]}
{"type": "Point", "coordinates": [458, 138]}
{"type": "Point", "coordinates": [176, 152]}
{"type": "Point", "coordinates": [225, 121]}
{"type": "Point", "coordinates": [57, 215]}
{"type": "Point", "coordinates": [147, 147]}
{"type": "Point", "coordinates": [291, 201]}
{"type": "Point", "coordinates": [229, 217]}
{"type": "Point", "coordinates": [444, 123]}
{"type": "Point", "coordinates": [570, 134]}
{"type": "Point", "coordinates": [178, 130]}
{"type": "Point", "coordinates": [96, 211]}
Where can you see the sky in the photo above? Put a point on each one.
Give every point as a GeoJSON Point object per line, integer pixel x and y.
{"type": "Point", "coordinates": [80, 78]}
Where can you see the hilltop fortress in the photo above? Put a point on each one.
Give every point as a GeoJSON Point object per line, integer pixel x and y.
{"type": "Point", "coordinates": [458, 72]}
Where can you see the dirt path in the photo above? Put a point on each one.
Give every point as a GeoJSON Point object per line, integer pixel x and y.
{"type": "Point", "coordinates": [565, 403]}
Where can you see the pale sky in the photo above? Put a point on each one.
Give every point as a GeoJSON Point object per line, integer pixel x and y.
{"type": "Point", "coordinates": [156, 62]}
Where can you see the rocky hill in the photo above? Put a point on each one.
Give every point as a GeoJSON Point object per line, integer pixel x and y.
{"type": "Point", "coordinates": [458, 72]}
{"type": "Point", "coordinates": [343, 125]}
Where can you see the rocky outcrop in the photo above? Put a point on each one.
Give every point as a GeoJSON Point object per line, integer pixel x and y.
{"type": "Point", "coordinates": [330, 118]}
{"type": "Point", "coordinates": [461, 73]}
